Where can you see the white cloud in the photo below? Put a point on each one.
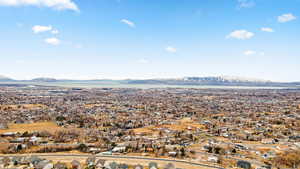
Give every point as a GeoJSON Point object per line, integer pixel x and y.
{"type": "Point", "coordinates": [55, 31]}
{"type": "Point", "coordinates": [171, 49]}
{"type": "Point", "coordinates": [40, 29]}
{"type": "Point", "coordinates": [55, 4]}
{"type": "Point", "coordinates": [249, 52]}
{"type": "Point", "coordinates": [129, 23]}
{"type": "Point", "coordinates": [52, 41]}
{"type": "Point", "coordinates": [240, 34]}
{"type": "Point", "coordinates": [267, 30]}
{"type": "Point", "coordinates": [143, 61]}
{"type": "Point", "coordinates": [286, 18]}
{"type": "Point", "coordinates": [245, 4]}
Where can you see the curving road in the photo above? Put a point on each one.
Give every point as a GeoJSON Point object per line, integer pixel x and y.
{"type": "Point", "coordinates": [122, 159]}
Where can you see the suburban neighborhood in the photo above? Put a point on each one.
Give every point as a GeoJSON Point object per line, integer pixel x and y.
{"type": "Point", "coordinates": [227, 128]}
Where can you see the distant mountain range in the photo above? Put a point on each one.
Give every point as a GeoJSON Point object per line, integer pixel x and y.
{"type": "Point", "coordinates": [218, 80]}
{"type": "Point", "coordinates": [212, 80]}
{"type": "Point", "coordinates": [44, 79]}
{"type": "Point", "coordinates": [4, 78]}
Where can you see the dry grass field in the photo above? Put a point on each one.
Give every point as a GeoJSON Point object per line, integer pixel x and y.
{"type": "Point", "coordinates": [91, 105]}
{"type": "Point", "coordinates": [22, 106]}
{"type": "Point", "coordinates": [3, 146]}
{"type": "Point", "coordinates": [40, 126]}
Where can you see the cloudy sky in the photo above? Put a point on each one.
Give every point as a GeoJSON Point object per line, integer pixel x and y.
{"type": "Point", "coordinates": [117, 39]}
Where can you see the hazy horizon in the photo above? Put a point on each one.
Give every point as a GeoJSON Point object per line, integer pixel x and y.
{"type": "Point", "coordinates": [139, 78]}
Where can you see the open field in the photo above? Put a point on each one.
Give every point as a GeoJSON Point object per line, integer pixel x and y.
{"type": "Point", "coordinates": [22, 106]}
{"type": "Point", "coordinates": [40, 126]}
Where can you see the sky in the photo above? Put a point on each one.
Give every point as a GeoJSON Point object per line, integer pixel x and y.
{"type": "Point", "coordinates": [141, 39]}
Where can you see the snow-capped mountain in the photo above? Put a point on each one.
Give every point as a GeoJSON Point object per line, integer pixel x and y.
{"type": "Point", "coordinates": [209, 80]}
{"type": "Point", "coordinates": [228, 79]}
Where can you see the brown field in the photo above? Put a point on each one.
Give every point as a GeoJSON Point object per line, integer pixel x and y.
{"type": "Point", "coordinates": [144, 130]}
{"type": "Point", "coordinates": [40, 126]}
{"type": "Point", "coordinates": [22, 106]}
{"type": "Point", "coordinates": [91, 105]}
{"type": "Point", "coordinates": [3, 146]}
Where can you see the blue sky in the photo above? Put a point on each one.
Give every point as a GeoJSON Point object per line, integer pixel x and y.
{"type": "Point", "coordinates": [117, 39]}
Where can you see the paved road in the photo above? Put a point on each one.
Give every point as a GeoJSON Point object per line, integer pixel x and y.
{"type": "Point", "coordinates": [122, 158]}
